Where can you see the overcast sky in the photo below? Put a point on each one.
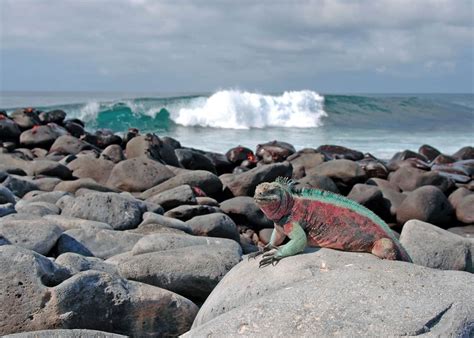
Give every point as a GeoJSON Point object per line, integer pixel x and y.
{"type": "Point", "coordinates": [201, 46]}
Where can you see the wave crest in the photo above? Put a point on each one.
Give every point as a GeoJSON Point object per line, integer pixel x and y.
{"type": "Point", "coordinates": [243, 110]}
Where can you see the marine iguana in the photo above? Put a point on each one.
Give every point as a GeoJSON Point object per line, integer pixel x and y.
{"type": "Point", "coordinates": [321, 218]}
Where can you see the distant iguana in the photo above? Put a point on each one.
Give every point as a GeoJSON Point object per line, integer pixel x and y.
{"type": "Point", "coordinates": [324, 219]}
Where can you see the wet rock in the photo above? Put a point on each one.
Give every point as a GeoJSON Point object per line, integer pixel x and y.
{"type": "Point", "coordinates": [67, 144]}
{"type": "Point", "coordinates": [436, 248]}
{"type": "Point", "coordinates": [214, 225]}
{"type": "Point", "coordinates": [82, 183]}
{"type": "Point", "coordinates": [288, 299]}
{"type": "Point", "coordinates": [465, 153]}
{"type": "Point", "coordinates": [244, 211]}
{"type": "Point", "coordinates": [18, 185]}
{"type": "Point", "coordinates": [25, 118]}
{"type": "Point", "coordinates": [274, 151]}
{"type": "Point", "coordinates": [317, 182]}
{"type": "Point", "coordinates": [193, 160]}
{"type": "Point", "coordinates": [427, 204]}
{"type": "Point", "coordinates": [74, 127]}
{"type": "Point", "coordinates": [113, 153]}
{"type": "Point", "coordinates": [343, 172]}
{"type": "Point", "coordinates": [429, 152]}
{"type": "Point", "coordinates": [38, 235]}
{"type": "Point", "coordinates": [7, 209]}
{"type": "Point", "coordinates": [374, 168]}
{"type": "Point", "coordinates": [202, 179]}
{"type": "Point", "coordinates": [46, 184]}
{"type": "Point", "coordinates": [54, 116]}
{"type": "Point", "coordinates": [304, 160]}
{"type": "Point", "coordinates": [207, 201]}
{"type": "Point", "coordinates": [239, 154]}
{"type": "Point", "coordinates": [409, 179]}
{"type": "Point", "coordinates": [186, 212]}
{"type": "Point", "coordinates": [118, 211]}
{"type": "Point", "coordinates": [76, 263]}
{"type": "Point", "coordinates": [101, 243]}
{"type": "Point", "coordinates": [465, 210]}
{"type": "Point", "coordinates": [443, 159]}
{"type": "Point", "coordinates": [151, 146]}
{"type": "Point", "coordinates": [220, 162]}
{"type": "Point", "coordinates": [406, 154]}
{"type": "Point", "coordinates": [9, 130]}
{"type": "Point", "coordinates": [106, 137]}
{"type": "Point", "coordinates": [370, 197]}
{"type": "Point", "coordinates": [172, 198]}
{"type": "Point", "coordinates": [39, 136]}
{"type": "Point", "coordinates": [138, 174]}
{"type": "Point", "coordinates": [333, 152]}
{"type": "Point", "coordinates": [90, 167]}
{"type": "Point", "coordinates": [194, 274]}
{"type": "Point", "coordinates": [244, 184]}
{"type": "Point", "coordinates": [6, 196]}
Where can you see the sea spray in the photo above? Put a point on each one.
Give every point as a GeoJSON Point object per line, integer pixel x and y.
{"type": "Point", "coordinates": [244, 110]}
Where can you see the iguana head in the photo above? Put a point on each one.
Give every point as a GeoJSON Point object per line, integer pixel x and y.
{"type": "Point", "coordinates": [274, 198]}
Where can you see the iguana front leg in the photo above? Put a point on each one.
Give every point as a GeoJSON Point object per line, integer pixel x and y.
{"type": "Point", "coordinates": [296, 245]}
{"type": "Point", "coordinates": [275, 240]}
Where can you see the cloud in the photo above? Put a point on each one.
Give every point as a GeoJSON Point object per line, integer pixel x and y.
{"type": "Point", "coordinates": [209, 44]}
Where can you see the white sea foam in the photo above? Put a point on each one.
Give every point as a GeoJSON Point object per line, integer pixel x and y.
{"type": "Point", "coordinates": [243, 110]}
{"type": "Point", "coordinates": [89, 112]}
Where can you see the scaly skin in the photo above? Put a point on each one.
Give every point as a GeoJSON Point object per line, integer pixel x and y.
{"type": "Point", "coordinates": [323, 219]}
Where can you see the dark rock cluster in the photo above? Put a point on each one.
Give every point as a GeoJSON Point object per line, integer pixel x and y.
{"type": "Point", "coordinates": [130, 234]}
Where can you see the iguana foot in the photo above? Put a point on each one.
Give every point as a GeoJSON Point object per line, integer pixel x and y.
{"type": "Point", "coordinates": [269, 258]}
{"type": "Point", "coordinates": [266, 248]}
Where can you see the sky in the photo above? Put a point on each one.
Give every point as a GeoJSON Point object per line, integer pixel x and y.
{"type": "Point", "coordinates": [330, 46]}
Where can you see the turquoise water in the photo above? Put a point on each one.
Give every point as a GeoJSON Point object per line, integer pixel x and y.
{"type": "Point", "coordinates": [379, 124]}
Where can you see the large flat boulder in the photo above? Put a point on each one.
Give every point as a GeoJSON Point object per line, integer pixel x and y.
{"type": "Point", "coordinates": [325, 293]}
{"type": "Point", "coordinates": [118, 211]}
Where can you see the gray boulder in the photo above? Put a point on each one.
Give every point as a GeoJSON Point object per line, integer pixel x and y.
{"type": "Point", "coordinates": [214, 225]}
{"type": "Point", "coordinates": [37, 208]}
{"type": "Point", "coordinates": [18, 185]}
{"type": "Point", "coordinates": [76, 263]}
{"type": "Point", "coordinates": [44, 196]}
{"type": "Point", "coordinates": [317, 182]}
{"type": "Point", "coordinates": [304, 160]}
{"type": "Point", "coordinates": [90, 167]}
{"type": "Point", "coordinates": [464, 231]}
{"type": "Point", "coordinates": [118, 211]}
{"type": "Point", "coordinates": [457, 195]}
{"type": "Point", "coordinates": [6, 196]}
{"type": "Point", "coordinates": [38, 235]}
{"type": "Point", "coordinates": [7, 209]}
{"type": "Point", "coordinates": [244, 184]}
{"type": "Point", "coordinates": [39, 136]}
{"type": "Point", "coordinates": [48, 168]}
{"type": "Point", "coordinates": [343, 171]}
{"type": "Point", "coordinates": [138, 174]}
{"type": "Point", "coordinates": [150, 218]}
{"type": "Point", "coordinates": [69, 145]}
{"type": "Point", "coordinates": [113, 153]}
{"type": "Point", "coordinates": [65, 333]}
{"type": "Point", "coordinates": [191, 271]}
{"type": "Point", "coordinates": [101, 243]}
{"type": "Point", "coordinates": [430, 246]}
{"type": "Point", "coordinates": [409, 179]}
{"type": "Point", "coordinates": [172, 198]}
{"type": "Point", "coordinates": [86, 183]}
{"type": "Point", "coordinates": [38, 296]}
{"type": "Point", "coordinates": [186, 212]}
{"type": "Point", "coordinates": [244, 211]}
{"type": "Point", "coordinates": [68, 223]}
{"type": "Point", "coordinates": [204, 180]}
{"type": "Point", "coordinates": [326, 292]}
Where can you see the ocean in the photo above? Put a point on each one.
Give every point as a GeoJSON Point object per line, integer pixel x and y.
{"type": "Point", "coordinates": [381, 124]}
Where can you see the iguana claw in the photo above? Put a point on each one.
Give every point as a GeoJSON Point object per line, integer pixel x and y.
{"type": "Point", "coordinates": [255, 254]}
{"type": "Point", "coordinates": [269, 258]}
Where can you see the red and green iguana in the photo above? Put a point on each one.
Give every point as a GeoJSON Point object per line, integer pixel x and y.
{"type": "Point", "coordinates": [324, 219]}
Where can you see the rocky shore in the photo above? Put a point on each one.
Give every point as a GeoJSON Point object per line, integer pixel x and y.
{"type": "Point", "coordinates": [137, 235]}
